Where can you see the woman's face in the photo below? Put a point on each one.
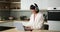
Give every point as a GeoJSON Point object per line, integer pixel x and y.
{"type": "Point", "coordinates": [33, 11]}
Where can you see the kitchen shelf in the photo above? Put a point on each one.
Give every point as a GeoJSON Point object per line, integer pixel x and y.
{"type": "Point", "coordinates": [15, 10]}
{"type": "Point", "coordinates": [11, 0]}
{"type": "Point", "coordinates": [2, 1]}
{"type": "Point", "coordinates": [15, 6]}
{"type": "Point", "coordinates": [4, 9]}
{"type": "Point", "coordinates": [10, 4]}
{"type": "Point", "coordinates": [15, 2]}
{"type": "Point", "coordinates": [4, 5]}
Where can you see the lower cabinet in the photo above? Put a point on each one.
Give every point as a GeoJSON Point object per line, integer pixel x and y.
{"type": "Point", "coordinates": [54, 25]}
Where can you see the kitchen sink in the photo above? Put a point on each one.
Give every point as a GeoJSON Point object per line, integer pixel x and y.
{"type": "Point", "coordinates": [2, 28]}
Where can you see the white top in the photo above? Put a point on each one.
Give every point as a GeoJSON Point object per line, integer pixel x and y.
{"type": "Point", "coordinates": [38, 22]}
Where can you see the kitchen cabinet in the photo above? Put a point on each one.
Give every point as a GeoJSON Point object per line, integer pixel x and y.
{"type": "Point", "coordinates": [4, 9]}
{"type": "Point", "coordinates": [15, 0]}
{"type": "Point", "coordinates": [15, 6]}
{"type": "Point", "coordinates": [2, 0]}
{"type": "Point", "coordinates": [7, 4]}
{"type": "Point", "coordinates": [54, 25]}
{"type": "Point", "coordinates": [11, 0]}
{"type": "Point", "coordinates": [4, 5]}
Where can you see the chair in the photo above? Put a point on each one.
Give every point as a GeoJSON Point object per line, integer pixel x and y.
{"type": "Point", "coordinates": [46, 27]}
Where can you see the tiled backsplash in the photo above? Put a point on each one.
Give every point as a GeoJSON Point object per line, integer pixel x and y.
{"type": "Point", "coordinates": [17, 14]}
{"type": "Point", "coordinates": [27, 13]}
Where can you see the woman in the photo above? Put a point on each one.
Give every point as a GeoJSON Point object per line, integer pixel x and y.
{"type": "Point", "coordinates": [36, 19]}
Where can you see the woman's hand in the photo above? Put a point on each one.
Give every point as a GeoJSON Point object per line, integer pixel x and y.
{"type": "Point", "coordinates": [28, 28]}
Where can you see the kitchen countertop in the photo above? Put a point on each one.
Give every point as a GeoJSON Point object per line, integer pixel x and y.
{"type": "Point", "coordinates": [44, 31]}
{"type": "Point", "coordinates": [15, 30]}
{"type": "Point", "coordinates": [16, 20]}
{"type": "Point", "coordinates": [23, 22]}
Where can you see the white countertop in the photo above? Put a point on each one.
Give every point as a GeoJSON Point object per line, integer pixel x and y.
{"type": "Point", "coordinates": [15, 30]}
{"type": "Point", "coordinates": [23, 22]}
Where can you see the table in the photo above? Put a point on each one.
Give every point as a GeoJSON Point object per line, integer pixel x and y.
{"type": "Point", "coordinates": [15, 30]}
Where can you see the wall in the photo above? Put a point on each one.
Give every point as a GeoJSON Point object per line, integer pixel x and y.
{"type": "Point", "coordinates": [4, 14]}
{"type": "Point", "coordinates": [25, 4]}
{"type": "Point", "coordinates": [43, 4]}
{"type": "Point", "coordinates": [53, 3]}
{"type": "Point", "coordinates": [17, 14]}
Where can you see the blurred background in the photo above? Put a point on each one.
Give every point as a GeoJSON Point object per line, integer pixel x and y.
{"type": "Point", "coordinates": [19, 10]}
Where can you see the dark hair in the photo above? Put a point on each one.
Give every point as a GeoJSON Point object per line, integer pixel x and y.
{"type": "Point", "coordinates": [37, 11]}
{"type": "Point", "coordinates": [33, 7]}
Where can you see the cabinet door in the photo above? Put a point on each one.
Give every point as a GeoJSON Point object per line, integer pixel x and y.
{"type": "Point", "coordinates": [54, 25]}
{"type": "Point", "coordinates": [7, 24]}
